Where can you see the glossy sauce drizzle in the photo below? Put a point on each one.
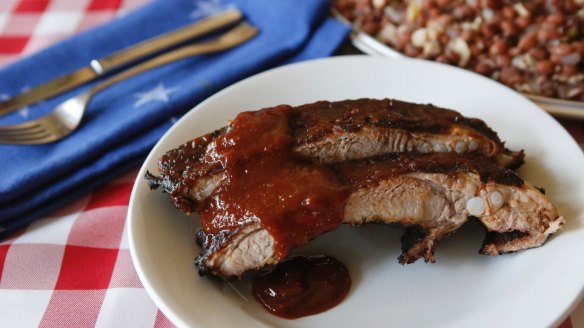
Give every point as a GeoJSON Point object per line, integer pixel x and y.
{"type": "Point", "coordinates": [264, 181]}
{"type": "Point", "coordinates": [302, 286]}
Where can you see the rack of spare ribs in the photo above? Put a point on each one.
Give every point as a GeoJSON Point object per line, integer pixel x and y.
{"type": "Point", "coordinates": [279, 177]}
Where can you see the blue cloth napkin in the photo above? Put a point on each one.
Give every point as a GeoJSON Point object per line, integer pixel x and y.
{"type": "Point", "coordinates": [124, 122]}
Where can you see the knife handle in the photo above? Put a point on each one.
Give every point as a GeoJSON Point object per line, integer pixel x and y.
{"type": "Point", "coordinates": [234, 37]}
{"type": "Point", "coordinates": [164, 41]}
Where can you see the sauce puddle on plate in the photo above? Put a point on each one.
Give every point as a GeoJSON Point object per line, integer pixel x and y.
{"type": "Point", "coordinates": [302, 286]}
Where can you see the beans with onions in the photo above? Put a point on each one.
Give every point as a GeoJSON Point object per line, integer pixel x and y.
{"type": "Point", "coordinates": [535, 47]}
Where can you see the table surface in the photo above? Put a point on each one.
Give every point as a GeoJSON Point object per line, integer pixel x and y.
{"type": "Point", "coordinates": [64, 270]}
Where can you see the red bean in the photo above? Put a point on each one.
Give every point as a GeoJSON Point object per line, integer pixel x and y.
{"type": "Point", "coordinates": [543, 36]}
{"type": "Point", "coordinates": [462, 12]}
{"type": "Point", "coordinates": [561, 49]}
{"type": "Point", "coordinates": [510, 76]}
{"type": "Point", "coordinates": [452, 56]}
{"type": "Point", "coordinates": [488, 30]}
{"type": "Point", "coordinates": [514, 51]}
{"type": "Point", "coordinates": [443, 3]}
{"type": "Point", "coordinates": [467, 35]}
{"type": "Point", "coordinates": [570, 6]}
{"type": "Point", "coordinates": [434, 12]}
{"type": "Point", "coordinates": [483, 68]}
{"type": "Point", "coordinates": [428, 4]}
{"type": "Point", "coordinates": [370, 27]}
{"type": "Point", "coordinates": [539, 19]}
{"type": "Point", "coordinates": [547, 25]}
{"type": "Point", "coordinates": [555, 19]}
{"type": "Point", "coordinates": [403, 39]}
{"type": "Point", "coordinates": [544, 67]}
{"type": "Point", "coordinates": [344, 6]}
{"type": "Point", "coordinates": [446, 19]}
{"type": "Point", "coordinates": [411, 50]}
{"type": "Point", "coordinates": [578, 47]}
{"type": "Point", "coordinates": [503, 60]}
{"type": "Point", "coordinates": [385, 20]}
{"type": "Point", "coordinates": [498, 47]}
{"type": "Point", "coordinates": [541, 79]}
{"type": "Point", "coordinates": [556, 58]}
{"type": "Point", "coordinates": [569, 70]}
{"type": "Point", "coordinates": [538, 53]}
{"type": "Point", "coordinates": [494, 4]}
{"type": "Point", "coordinates": [509, 13]}
{"type": "Point", "coordinates": [443, 39]}
{"type": "Point", "coordinates": [527, 42]}
{"type": "Point", "coordinates": [509, 28]}
{"type": "Point", "coordinates": [443, 59]}
{"type": "Point", "coordinates": [476, 49]}
{"type": "Point", "coordinates": [523, 22]}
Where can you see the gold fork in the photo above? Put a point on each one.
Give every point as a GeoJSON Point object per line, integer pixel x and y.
{"type": "Point", "coordinates": [67, 116]}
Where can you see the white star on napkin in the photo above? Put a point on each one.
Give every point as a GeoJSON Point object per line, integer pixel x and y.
{"type": "Point", "coordinates": [208, 8]}
{"type": "Point", "coordinates": [160, 93]}
{"type": "Point", "coordinates": [22, 111]}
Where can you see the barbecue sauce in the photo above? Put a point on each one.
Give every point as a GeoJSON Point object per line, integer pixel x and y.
{"type": "Point", "coordinates": [302, 286]}
{"type": "Point", "coordinates": [294, 199]}
{"type": "Point", "coordinates": [264, 181]}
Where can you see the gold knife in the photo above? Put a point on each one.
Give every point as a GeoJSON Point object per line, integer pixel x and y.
{"type": "Point", "coordinates": [123, 57]}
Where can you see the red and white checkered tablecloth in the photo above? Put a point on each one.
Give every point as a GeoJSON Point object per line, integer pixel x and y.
{"type": "Point", "coordinates": [27, 26]}
{"type": "Point", "coordinates": [73, 268]}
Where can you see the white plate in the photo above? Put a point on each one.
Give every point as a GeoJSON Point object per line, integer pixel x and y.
{"type": "Point", "coordinates": [533, 288]}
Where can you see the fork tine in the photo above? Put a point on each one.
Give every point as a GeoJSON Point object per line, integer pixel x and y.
{"type": "Point", "coordinates": [24, 131]}
{"type": "Point", "coordinates": [28, 140]}
{"type": "Point", "coordinates": [33, 132]}
{"type": "Point", "coordinates": [26, 137]}
{"type": "Point", "coordinates": [31, 136]}
{"type": "Point", "coordinates": [16, 127]}
{"type": "Point", "coordinates": [23, 143]}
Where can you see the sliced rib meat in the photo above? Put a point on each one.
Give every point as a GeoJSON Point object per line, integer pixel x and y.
{"type": "Point", "coordinates": [328, 132]}
{"type": "Point", "coordinates": [276, 178]}
{"type": "Point", "coordinates": [336, 131]}
{"type": "Point", "coordinates": [430, 195]}
{"type": "Point", "coordinates": [433, 195]}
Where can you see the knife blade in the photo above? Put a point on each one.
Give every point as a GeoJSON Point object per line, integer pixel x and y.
{"type": "Point", "coordinates": [98, 67]}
